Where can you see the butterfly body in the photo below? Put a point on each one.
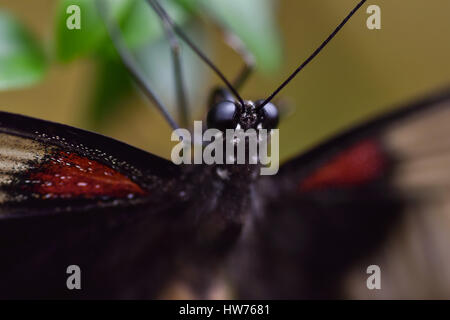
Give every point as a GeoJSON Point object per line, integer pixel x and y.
{"type": "Point", "coordinates": [287, 235]}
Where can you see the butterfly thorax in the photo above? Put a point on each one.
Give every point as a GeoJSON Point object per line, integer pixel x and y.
{"type": "Point", "coordinates": [221, 199]}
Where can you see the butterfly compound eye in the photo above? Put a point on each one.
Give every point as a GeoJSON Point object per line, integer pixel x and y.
{"type": "Point", "coordinates": [219, 94]}
{"type": "Point", "coordinates": [223, 115]}
{"type": "Point", "coordinates": [269, 115]}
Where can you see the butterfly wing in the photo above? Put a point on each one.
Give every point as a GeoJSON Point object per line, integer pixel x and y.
{"type": "Point", "coordinates": [71, 197]}
{"type": "Point", "coordinates": [330, 208]}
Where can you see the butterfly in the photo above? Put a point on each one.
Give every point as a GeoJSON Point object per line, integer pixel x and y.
{"type": "Point", "coordinates": [139, 226]}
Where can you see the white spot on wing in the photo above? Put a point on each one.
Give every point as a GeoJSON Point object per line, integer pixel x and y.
{"type": "Point", "coordinates": [16, 154]}
{"type": "Point", "coordinates": [421, 148]}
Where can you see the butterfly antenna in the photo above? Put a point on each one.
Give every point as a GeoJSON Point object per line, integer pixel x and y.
{"type": "Point", "coordinates": [314, 54]}
{"type": "Point", "coordinates": [180, 87]}
{"type": "Point", "coordinates": [164, 15]}
{"type": "Point", "coordinates": [128, 61]}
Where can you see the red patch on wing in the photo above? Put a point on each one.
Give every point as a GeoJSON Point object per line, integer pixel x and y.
{"type": "Point", "coordinates": [359, 164]}
{"type": "Point", "coordinates": [69, 175]}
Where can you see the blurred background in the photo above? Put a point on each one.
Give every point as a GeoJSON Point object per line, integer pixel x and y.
{"type": "Point", "coordinates": [76, 78]}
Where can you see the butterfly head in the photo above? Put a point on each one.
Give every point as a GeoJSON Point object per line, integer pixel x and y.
{"type": "Point", "coordinates": [227, 113]}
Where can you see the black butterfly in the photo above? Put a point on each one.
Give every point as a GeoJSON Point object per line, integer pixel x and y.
{"type": "Point", "coordinates": [139, 226]}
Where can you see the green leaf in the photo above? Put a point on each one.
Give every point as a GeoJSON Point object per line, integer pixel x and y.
{"type": "Point", "coordinates": [22, 61]}
{"type": "Point", "coordinates": [73, 43]}
{"type": "Point", "coordinates": [188, 5]}
{"type": "Point", "coordinates": [112, 86]}
{"type": "Point", "coordinates": [156, 63]}
{"type": "Point", "coordinates": [113, 83]}
{"type": "Point", "coordinates": [141, 29]}
{"type": "Point", "coordinates": [253, 21]}
{"type": "Point", "coordinates": [139, 26]}
{"type": "Point", "coordinates": [142, 26]}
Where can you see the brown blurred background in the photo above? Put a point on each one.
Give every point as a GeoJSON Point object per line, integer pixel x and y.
{"type": "Point", "coordinates": [360, 74]}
